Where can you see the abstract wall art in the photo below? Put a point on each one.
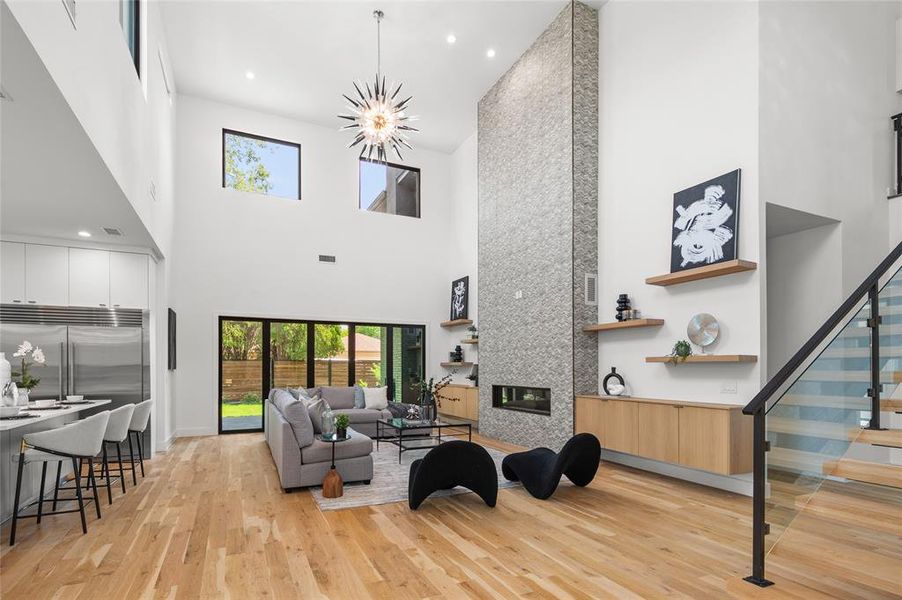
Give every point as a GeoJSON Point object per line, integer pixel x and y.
{"type": "Point", "coordinates": [706, 223]}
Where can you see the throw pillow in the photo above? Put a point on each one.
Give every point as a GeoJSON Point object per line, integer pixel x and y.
{"type": "Point", "coordinates": [376, 398]}
{"type": "Point", "coordinates": [359, 400]}
{"type": "Point", "coordinates": [295, 412]}
{"type": "Point", "coordinates": [316, 409]}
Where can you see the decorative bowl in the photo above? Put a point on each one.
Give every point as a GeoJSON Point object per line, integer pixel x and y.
{"type": "Point", "coordinates": [44, 403]}
{"type": "Point", "coordinates": [9, 411]}
{"type": "Point", "coordinates": [74, 398]}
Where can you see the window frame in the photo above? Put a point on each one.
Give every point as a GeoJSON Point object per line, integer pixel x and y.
{"type": "Point", "coordinates": [417, 170]}
{"type": "Point", "coordinates": [262, 138]}
{"type": "Point", "coordinates": [136, 23]}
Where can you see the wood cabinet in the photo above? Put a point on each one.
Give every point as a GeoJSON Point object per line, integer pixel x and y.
{"type": "Point", "coordinates": [128, 280]}
{"type": "Point", "coordinates": [89, 277]}
{"type": "Point", "coordinates": [12, 265]}
{"type": "Point", "coordinates": [46, 275]}
{"type": "Point", "coordinates": [707, 436]}
{"type": "Point", "coordinates": [460, 401]}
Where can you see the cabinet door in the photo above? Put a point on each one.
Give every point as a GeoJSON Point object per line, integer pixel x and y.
{"type": "Point", "coordinates": [621, 422]}
{"type": "Point", "coordinates": [46, 275]}
{"type": "Point", "coordinates": [89, 277]}
{"type": "Point", "coordinates": [472, 404]}
{"type": "Point", "coordinates": [452, 404]}
{"type": "Point", "coordinates": [659, 432]}
{"type": "Point", "coordinates": [128, 280]}
{"type": "Point", "coordinates": [12, 265]}
{"type": "Point", "coordinates": [705, 439]}
{"type": "Point", "coordinates": [589, 417]}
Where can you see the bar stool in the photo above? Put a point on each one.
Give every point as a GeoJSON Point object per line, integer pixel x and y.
{"type": "Point", "coordinates": [140, 419]}
{"type": "Point", "coordinates": [116, 432]}
{"type": "Point", "coordinates": [81, 440]}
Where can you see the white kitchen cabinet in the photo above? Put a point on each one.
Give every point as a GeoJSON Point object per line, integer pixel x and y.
{"type": "Point", "coordinates": [128, 280]}
{"type": "Point", "coordinates": [12, 265]}
{"type": "Point", "coordinates": [89, 277]}
{"type": "Point", "coordinates": [46, 275]}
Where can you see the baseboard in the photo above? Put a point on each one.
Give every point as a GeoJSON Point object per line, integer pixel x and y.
{"type": "Point", "coordinates": [194, 432]}
{"type": "Point", "coordinates": [738, 484]}
{"type": "Point", "coordinates": [163, 446]}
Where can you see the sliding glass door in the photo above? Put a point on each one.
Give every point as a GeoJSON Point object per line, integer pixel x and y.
{"type": "Point", "coordinates": [256, 355]}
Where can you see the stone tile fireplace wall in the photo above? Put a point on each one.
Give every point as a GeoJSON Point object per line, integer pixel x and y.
{"type": "Point", "coordinates": [538, 188]}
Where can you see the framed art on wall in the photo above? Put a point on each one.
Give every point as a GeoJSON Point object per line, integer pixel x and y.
{"type": "Point", "coordinates": [460, 292]}
{"type": "Point", "coordinates": [170, 335]}
{"type": "Point", "coordinates": [706, 223]}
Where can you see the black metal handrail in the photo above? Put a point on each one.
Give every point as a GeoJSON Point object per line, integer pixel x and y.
{"type": "Point", "coordinates": [758, 405]}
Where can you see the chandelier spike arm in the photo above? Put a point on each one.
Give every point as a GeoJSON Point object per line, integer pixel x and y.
{"type": "Point", "coordinates": [354, 102]}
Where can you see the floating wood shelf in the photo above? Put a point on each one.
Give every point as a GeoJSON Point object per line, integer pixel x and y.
{"type": "Point", "coordinates": [706, 358]}
{"type": "Point", "coordinates": [715, 270]}
{"type": "Point", "coordinates": [624, 324]}
{"type": "Point", "coordinates": [470, 341]}
{"type": "Point", "coordinates": [456, 323]}
{"type": "Point", "coordinates": [454, 365]}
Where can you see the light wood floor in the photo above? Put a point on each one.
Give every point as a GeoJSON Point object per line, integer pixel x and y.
{"type": "Point", "coordinates": [210, 521]}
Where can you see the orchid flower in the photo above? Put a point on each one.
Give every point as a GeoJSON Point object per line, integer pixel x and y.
{"type": "Point", "coordinates": [38, 356]}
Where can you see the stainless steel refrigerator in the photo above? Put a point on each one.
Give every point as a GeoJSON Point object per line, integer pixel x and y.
{"type": "Point", "coordinates": [96, 353]}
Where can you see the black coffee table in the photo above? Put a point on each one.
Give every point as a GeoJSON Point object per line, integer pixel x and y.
{"type": "Point", "coordinates": [418, 431]}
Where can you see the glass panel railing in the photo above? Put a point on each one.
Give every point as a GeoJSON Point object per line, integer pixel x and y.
{"type": "Point", "coordinates": [812, 425]}
{"type": "Point", "coordinates": [890, 308]}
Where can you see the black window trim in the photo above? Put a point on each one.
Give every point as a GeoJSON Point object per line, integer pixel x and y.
{"type": "Point", "coordinates": [262, 138]}
{"type": "Point", "coordinates": [265, 331]}
{"type": "Point", "coordinates": [136, 22]}
{"type": "Point", "coordinates": [417, 170]}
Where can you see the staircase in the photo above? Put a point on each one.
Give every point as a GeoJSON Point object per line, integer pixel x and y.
{"type": "Point", "coordinates": [832, 415]}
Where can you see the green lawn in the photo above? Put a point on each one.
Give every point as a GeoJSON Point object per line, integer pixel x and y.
{"type": "Point", "coordinates": [249, 409]}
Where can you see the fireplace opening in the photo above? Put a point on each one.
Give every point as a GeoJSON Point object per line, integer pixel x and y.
{"type": "Point", "coordinates": [524, 399]}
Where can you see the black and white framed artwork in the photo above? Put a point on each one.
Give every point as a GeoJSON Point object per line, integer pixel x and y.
{"type": "Point", "coordinates": [460, 298]}
{"type": "Point", "coordinates": [706, 223]}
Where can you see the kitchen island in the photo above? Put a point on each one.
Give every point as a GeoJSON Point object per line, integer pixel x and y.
{"type": "Point", "coordinates": [11, 432]}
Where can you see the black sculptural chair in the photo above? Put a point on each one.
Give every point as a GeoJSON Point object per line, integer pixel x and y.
{"type": "Point", "coordinates": [451, 464]}
{"type": "Point", "coordinates": [540, 470]}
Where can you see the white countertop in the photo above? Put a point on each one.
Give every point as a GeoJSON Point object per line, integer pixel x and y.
{"type": "Point", "coordinates": [46, 415]}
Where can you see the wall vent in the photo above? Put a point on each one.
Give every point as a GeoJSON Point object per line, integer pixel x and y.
{"type": "Point", "coordinates": [112, 231]}
{"type": "Point", "coordinates": [591, 289]}
{"type": "Point", "coordinates": [327, 258]}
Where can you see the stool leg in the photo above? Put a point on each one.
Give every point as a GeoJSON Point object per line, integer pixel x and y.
{"type": "Point", "coordinates": [131, 453]}
{"type": "Point", "coordinates": [81, 501]}
{"type": "Point", "coordinates": [106, 472]}
{"type": "Point", "coordinates": [139, 435]}
{"type": "Point", "coordinates": [12, 531]}
{"type": "Point", "coordinates": [56, 488]}
{"type": "Point", "coordinates": [121, 472]}
{"type": "Point", "coordinates": [41, 493]}
{"type": "Point", "coordinates": [93, 479]}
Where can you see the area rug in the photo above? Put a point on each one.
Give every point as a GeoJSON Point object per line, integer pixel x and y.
{"type": "Point", "coordinates": [389, 483]}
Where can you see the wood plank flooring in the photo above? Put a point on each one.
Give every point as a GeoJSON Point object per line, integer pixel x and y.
{"type": "Point", "coordinates": [210, 521]}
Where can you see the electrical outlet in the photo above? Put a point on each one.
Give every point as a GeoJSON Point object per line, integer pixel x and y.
{"type": "Point", "coordinates": [728, 387]}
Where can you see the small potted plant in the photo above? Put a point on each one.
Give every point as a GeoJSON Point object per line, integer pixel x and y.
{"type": "Point", "coordinates": [27, 381]}
{"type": "Point", "coordinates": [474, 334]}
{"type": "Point", "coordinates": [341, 426]}
{"type": "Point", "coordinates": [681, 351]}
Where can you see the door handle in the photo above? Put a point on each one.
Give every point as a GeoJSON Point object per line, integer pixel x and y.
{"type": "Point", "coordinates": [72, 367]}
{"type": "Point", "coordinates": [32, 301]}
{"type": "Point", "coordinates": [17, 302]}
{"type": "Point", "coordinates": [61, 371]}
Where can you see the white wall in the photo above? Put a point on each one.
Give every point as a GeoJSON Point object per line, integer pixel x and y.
{"type": "Point", "coordinates": [827, 91]}
{"type": "Point", "coordinates": [678, 105]}
{"type": "Point", "coordinates": [245, 254]}
{"type": "Point", "coordinates": [802, 289]}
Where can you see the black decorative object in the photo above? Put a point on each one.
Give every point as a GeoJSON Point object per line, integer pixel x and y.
{"type": "Point", "coordinates": [460, 298]}
{"type": "Point", "coordinates": [612, 375]}
{"type": "Point", "coordinates": [540, 470]}
{"type": "Point", "coordinates": [170, 361]}
{"type": "Point", "coordinates": [456, 355]}
{"type": "Point", "coordinates": [706, 223]}
{"type": "Point", "coordinates": [474, 375]}
{"type": "Point", "coordinates": [451, 464]}
{"type": "Point", "coordinates": [623, 304]}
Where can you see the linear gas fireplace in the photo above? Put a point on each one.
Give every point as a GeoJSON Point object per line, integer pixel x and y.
{"type": "Point", "coordinates": [523, 399]}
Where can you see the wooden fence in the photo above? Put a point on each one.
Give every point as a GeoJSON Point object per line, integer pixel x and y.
{"type": "Point", "coordinates": [244, 377]}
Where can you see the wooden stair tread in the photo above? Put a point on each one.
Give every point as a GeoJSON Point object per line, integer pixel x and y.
{"type": "Point", "coordinates": [820, 429]}
{"type": "Point", "coordinates": [797, 460]}
{"type": "Point", "coordinates": [891, 404]}
{"type": "Point", "coordinates": [868, 472]}
{"type": "Point", "coordinates": [842, 402]}
{"type": "Point", "coordinates": [882, 437]}
{"type": "Point", "coordinates": [848, 375]}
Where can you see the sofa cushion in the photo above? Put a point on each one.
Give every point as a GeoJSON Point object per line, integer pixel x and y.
{"type": "Point", "coordinates": [295, 412]}
{"type": "Point", "coordinates": [376, 398]}
{"type": "Point", "coordinates": [360, 415]}
{"type": "Point", "coordinates": [338, 397]}
{"type": "Point", "coordinates": [359, 401]}
{"type": "Point", "coordinates": [315, 409]}
{"type": "Point", "coordinates": [321, 452]}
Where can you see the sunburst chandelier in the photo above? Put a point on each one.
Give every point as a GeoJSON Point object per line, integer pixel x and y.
{"type": "Point", "coordinates": [378, 117]}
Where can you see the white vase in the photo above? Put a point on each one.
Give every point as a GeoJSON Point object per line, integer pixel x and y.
{"type": "Point", "coordinates": [23, 398]}
{"type": "Point", "coordinates": [5, 378]}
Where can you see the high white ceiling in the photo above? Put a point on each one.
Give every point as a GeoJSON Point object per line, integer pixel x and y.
{"type": "Point", "coordinates": [304, 55]}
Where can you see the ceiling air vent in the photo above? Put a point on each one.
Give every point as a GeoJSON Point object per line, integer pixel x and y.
{"type": "Point", "coordinates": [112, 231]}
{"type": "Point", "coordinates": [327, 258]}
{"type": "Point", "coordinates": [591, 289]}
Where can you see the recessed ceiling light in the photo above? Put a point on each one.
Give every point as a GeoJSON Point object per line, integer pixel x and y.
{"type": "Point", "coordinates": [249, 74]}
{"type": "Point", "coordinates": [490, 53]}
{"type": "Point", "coordinates": [84, 233]}
{"type": "Point", "coordinates": [451, 38]}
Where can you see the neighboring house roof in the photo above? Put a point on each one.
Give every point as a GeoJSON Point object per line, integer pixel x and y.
{"type": "Point", "coordinates": [363, 344]}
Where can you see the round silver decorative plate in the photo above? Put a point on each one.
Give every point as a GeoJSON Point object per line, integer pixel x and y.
{"type": "Point", "coordinates": [703, 329]}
